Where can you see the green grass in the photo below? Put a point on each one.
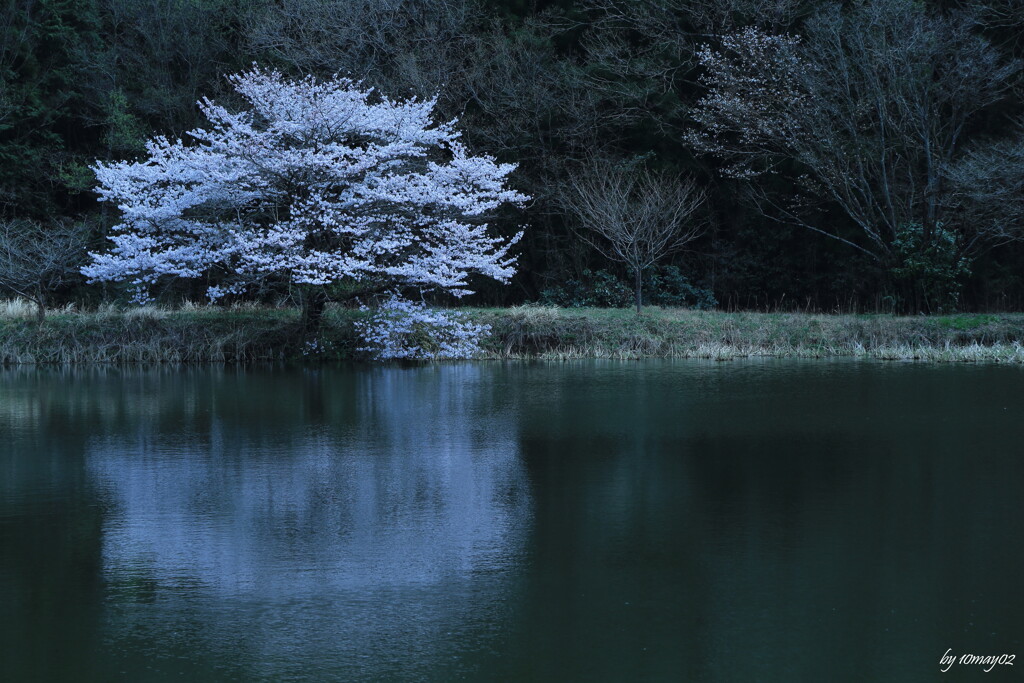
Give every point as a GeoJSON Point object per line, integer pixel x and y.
{"type": "Point", "coordinates": [610, 333]}
{"type": "Point", "coordinates": [197, 334]}
{"type": "Point", "coordinates": [158, 335]}
{"type": "Point", "coordinates": [967, 322]}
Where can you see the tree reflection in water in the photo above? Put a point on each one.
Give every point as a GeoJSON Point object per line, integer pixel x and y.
{"type": "Point", "coordinates": [385, 507]}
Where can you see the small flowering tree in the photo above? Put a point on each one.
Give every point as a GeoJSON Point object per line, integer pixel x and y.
{"type": "Point", "coordinates": [316, 182]}
{"type": "Point", "coordinates": [402, 329]}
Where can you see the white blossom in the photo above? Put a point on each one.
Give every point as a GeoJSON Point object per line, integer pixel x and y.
{"type": "Point", "coordinates": [315, 182]}
{"type": "Point", "coordinates": [402, 329]}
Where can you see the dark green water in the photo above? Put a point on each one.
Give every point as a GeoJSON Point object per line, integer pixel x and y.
{"type": "Point", "coordinates": [664, 521]}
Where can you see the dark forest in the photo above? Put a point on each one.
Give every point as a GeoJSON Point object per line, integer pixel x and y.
{"type": "Point", "coordinates": [854, 156]}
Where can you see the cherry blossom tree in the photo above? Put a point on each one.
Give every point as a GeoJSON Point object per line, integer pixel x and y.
{"type": "Point", "coordinates": [317, 182]}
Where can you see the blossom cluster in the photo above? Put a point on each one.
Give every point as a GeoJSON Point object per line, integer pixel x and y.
{"type": "Point", "coordinates": [755, 105]}
{"type": "Point", "coordinates": [315, 182]}
{"type": "Point", "coordinates": [402, 329]}
{"type": "Point", "coordinates": [316, 347]}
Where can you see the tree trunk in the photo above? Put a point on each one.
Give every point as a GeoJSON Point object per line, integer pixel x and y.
{"type": "Point", "coordinates": [639, 290]}
{"type": "Point", "coordinates": [40, 308]}
{"type": "Point", "coordinates": [313, 303]}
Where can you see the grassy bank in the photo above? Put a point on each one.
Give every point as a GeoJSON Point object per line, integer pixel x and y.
{"type": "Point", "coordinates": [248, 334]}
{"type": "Point", "coordinates": [675, 333]}
{"type": "Point", "coordinates": [193, 334]}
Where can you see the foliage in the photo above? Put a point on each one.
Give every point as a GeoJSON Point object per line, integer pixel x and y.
{"type": "Point", "coordinates": [408, 330]}
{"type": "Point", "coordinates": [598, 289]}
{"type": "Point", "coordinates": [39, 100]}
{"type": "Point", "coordinates": [932, 270]}
{"type": "Point", "coordinates": [669, 287]}
{"type": "Point", "coordinates": [665, 286]}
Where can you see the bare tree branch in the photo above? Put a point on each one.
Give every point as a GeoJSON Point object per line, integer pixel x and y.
{"type": "Point", "coordinates": [37, 259]}
{"type": "Point", "coordinates": [864, 112]}
{"type": "Point", "coordinates": [633, 216]}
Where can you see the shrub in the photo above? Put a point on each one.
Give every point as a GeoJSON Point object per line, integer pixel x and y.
{"type": "Point", "coordinates": [931, 271]}
{"type": "Point", "coordinates": [664, 286]}
{"type": "Point", "coordinates": [597, 288]}
{"type": "Point", "coordinates": [402, 329]}
{"type": "Point", "coordinates": [669, 287]}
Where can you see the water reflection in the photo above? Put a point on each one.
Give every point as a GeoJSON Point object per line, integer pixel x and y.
{"type": "Point", "coordinates": [392, 512]}
{"type": "Point", "coordinates": [772, 521]}
{"type": "Point", "coordinates": [549, 522]}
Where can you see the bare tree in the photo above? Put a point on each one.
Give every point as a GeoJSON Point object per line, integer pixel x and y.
{"type": "Point", "coordinates": [719, 15]}
{"type": "Point", "coordinates": [864, 112]}
{"type": "Point", "coordinates": [632, 215]}
{"type": "Point", "coordinates": [1002, 13]}
{"type": "Point", "coordinates": [35, 259]}
{"type": "Point", "coordinates": [988, 188]}
{"type": "Point", "coordinates": [417, 46]}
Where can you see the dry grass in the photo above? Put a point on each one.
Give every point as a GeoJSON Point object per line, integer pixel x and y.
{"type": "Point", "coordinates": [150, 334]}
{"type": "Point", "coordinates": [548, 332]}
{"type": "Point", "coordinates": [17, 309]}
{"type": "Point", "coordinates": [199, 333]}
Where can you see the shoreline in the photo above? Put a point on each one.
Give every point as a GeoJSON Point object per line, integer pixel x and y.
{"type": "Point", "coordinates": [244, 334]}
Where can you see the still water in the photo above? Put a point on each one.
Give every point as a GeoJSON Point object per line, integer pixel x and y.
{"type": "Point", "coordinates": [661, 521]}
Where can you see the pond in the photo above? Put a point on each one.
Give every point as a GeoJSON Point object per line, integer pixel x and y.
{"type": "Point", "coordinates": [592, 521]}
